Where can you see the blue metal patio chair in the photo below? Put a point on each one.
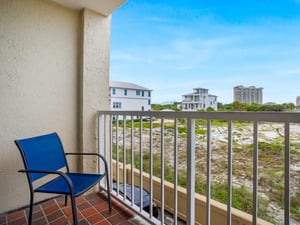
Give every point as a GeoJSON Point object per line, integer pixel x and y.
{"type": "Point", "coordinates": [44, 155]}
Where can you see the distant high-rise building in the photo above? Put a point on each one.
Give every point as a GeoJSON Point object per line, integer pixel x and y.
{"type": "Point", "coordinates": [298, 101]}
{"type": "Point", "coordinates": [248, 95]}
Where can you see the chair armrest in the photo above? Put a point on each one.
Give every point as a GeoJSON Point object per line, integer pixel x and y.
{"type": "Point", "coordinates": [42, 171]}
{"type": "Point", "coordinates": [93, 154]}
{"type": "Point", "coordinates": [105, 167]}
{"type": "Point", "coordinates": [85, 153]}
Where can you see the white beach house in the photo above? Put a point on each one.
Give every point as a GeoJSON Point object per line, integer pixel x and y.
{"type": "Point", "coordinates": [200, 99]}
{"type": "Point", "coordinates": [129, 96]}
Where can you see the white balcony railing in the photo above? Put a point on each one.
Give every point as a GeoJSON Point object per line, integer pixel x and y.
{"type": "Point", "coordinates": [182, 139]}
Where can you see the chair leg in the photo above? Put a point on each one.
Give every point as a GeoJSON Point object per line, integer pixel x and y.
{"type": "Point", "coordinates": [108, 192]}
{"type": "Point", "coordinates": [109, 201]}
{"type": "Point", "coordinates": [74, 213]}
{"type": "Point", "coordinates": [66, 200]}
{"type": "Point", "coordinates": [30, 209]}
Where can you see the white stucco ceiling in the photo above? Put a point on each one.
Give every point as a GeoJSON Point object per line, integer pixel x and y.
{"type": "Point", "coordinates": [105, 7]}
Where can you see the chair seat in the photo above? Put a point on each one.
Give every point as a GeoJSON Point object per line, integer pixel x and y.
{"type": "Point", "coordinates": [81, 183]}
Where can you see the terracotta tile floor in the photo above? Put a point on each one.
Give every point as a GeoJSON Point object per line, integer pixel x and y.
{"type": "Point", "coordinates": [92, 209]}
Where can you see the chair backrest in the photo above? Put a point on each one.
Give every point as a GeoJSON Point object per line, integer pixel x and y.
{"type": "Point", "coordinates": [42, 153]}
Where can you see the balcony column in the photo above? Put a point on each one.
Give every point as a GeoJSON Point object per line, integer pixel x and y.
{"type": "Point", "coordinates": [94, 81]}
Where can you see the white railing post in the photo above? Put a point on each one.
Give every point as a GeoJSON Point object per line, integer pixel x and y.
{"type": "Point", "coordinates": [151, 165]}
{"type": "Point", "coordinates": [190, 201]}
{"type": "Point", "coordinates": [117, 154]}
{"type": "Point", "coordinates": [132, 160]}
{"type": "Point", "coordinates": [162, 180]}
{"type": "Point", "coordinates": [124, 158]}
{"type": "Point", "coordinates": [208, 172]}
{"type": "Point", "coordinates": [175, 170]}
{"type": "Point", "coordinates": [141, 163]}
{"type": "Point", "coordinates": [255, 173]}
{"type": "Point", "coordinates": [111, 151]}
{"type": "Point", "coordinates": [287, 173]}
{"type": "Point", "coordinates": [101, 141]}
{"type": "Point", "coordinates": [229, 191]}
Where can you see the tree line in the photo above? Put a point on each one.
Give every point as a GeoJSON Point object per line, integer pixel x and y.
{"type": "Point", "coordinates": [235, 107]}
{"type": "Point", "coordinates": [244, 107]}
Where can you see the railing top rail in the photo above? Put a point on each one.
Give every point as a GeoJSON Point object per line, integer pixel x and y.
{"type": "Point", "coordinates": [290, 117]}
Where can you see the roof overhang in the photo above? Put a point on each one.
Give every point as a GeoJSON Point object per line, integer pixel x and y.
{"type": "Point", "coordinates": [105, 7]}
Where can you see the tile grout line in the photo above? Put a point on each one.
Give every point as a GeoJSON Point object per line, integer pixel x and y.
{"type": "Point", "coordinates": [44, 214]}
{"type": "Point", "coordinates": [98, 212]}
{"type": "Point", "coordinates": [62, 211]}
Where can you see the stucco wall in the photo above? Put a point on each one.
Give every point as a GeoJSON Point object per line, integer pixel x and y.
{"type": "Point", "coordinates": [51, 79]}
{"type": "Point", "coordinates": [38, 84]}
{"type": "Point", "coordinates": [94, 80]}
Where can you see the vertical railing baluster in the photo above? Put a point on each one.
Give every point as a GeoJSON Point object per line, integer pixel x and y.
{"type": "Point", "coordinates": [101, 140]}
{"type": "Point", "coordinates": [208, 171]}
{"type": "Point", "coordinates": [117, 153]}
{"type": "Point", "coordinates": [124, 158]}
{"type": "Point", "coordinates": [162, 146]}
{"type": "Point", "coordinates": [111, 151]}
{"type": "Point", "coordinates": [151, 166]}
{"type": "Point", "coordinates": [190, 201]}
{"type": "Point", "coordinates": [132, 161]}
{"type": "Point", "coordinates": [141, 164]}
{"type": "Point", "coordinates": [105, 142]}
{"type": "Point", "coordinates": [255, 173]}
{"type": "Point", "coordinates": [286, 173]}
{"type": "Point", "coordinates": [229, 179]}
{"type": "Point", "coordinates": [175, 170]}
{"type": "Point", "coordinates": [105, 137]}
{"type": "Point", "coordinates": [99, 133]}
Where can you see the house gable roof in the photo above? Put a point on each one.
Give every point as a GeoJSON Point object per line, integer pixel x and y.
{"type": "Point", "coordinates": [126, 85]}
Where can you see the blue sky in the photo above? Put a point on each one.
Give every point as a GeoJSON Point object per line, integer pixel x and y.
{"type": "Point", "coordinates": [174, 46]}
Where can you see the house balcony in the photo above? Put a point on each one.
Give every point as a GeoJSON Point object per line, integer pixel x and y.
{"type": "Point", "coordinates": [186, 158]}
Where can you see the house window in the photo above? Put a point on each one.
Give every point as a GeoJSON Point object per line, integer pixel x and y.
{"type": "Point", "coordinates": [113, 91]}
{"type": "Point", "coordinates": [125, 91]}
{"type": "Point", "coordinates": [149, 102]}
{"type": "Point", "coordinates": [143, 93]}
{"type": "Point", "coordinates": [149, 93]}
{"type": "Point", "coordinates": [138, 92]}
{"type": "Point", "coordinates": [117, 105]}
